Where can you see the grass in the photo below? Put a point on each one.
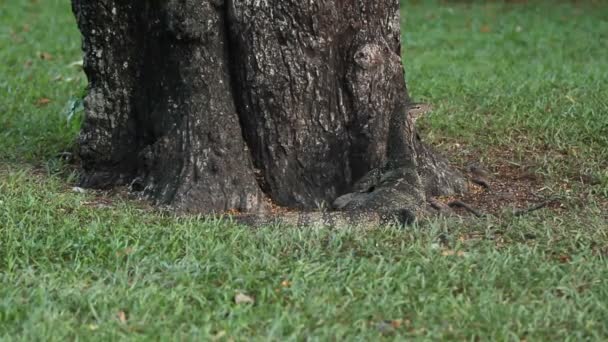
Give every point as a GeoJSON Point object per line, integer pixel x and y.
{"type": "Point", "coordinates": [528, 79]}
{"type": "Point", "coordinates": [38, 42]}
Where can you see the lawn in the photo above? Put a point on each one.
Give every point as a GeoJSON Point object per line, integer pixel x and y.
{"type": "Point", "coordinates": [521, 88]}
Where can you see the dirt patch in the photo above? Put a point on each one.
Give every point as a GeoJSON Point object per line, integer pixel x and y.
{"type": "Point", "coordinates": [508, 187]}
{"type": "Point", "coordinates": [503, 186]}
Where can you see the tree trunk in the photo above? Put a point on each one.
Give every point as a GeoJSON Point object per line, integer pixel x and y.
{"type": "Point", "coordinates": [214, 105]}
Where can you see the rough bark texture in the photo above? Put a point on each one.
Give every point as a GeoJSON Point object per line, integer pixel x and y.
{"type": "Point", "coordinates": [160, 109]}
{"type": "Point", "coordinates": [212, 105]}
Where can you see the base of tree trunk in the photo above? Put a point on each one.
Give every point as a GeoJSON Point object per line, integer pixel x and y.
{"type": "Point", "coordinates": [211, 107]}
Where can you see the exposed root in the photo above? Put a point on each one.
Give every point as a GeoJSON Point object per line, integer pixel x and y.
{"type": "Point", "coordinates": [461, 204]}
{"type": "Point", "coordinates": [533, 208]}
{"type": "Point", "coordinates": [482, 182]}
{"type": "Point", "coordinates": [439, 206]}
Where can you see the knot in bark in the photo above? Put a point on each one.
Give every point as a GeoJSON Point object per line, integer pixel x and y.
{"type": "Point", "coordinates": [370, 55]}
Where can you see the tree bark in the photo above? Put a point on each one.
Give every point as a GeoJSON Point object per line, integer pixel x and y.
{"type": "Point", "coordinates": [216, 105]}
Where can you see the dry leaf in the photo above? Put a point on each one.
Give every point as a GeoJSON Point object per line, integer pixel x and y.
{"type": "Point", "coordinates": [397, 323]}
{"type": "Point", "coordinates": [219, 335]}
{"type": "Point", "coordinates": [449, 252]}
{"type": "Point", "coordinates": [564, 259]}
{"type": "Point", "coordinates": [79, 190]}
{"type": "Point", "coordinates": [241, 298]}
{"type": "Point", "coordinates": [43, 101]}
{"type": "Point", "coordinates": [46, 56]}
{"type": "Point", "coordinates": [122, 317]}
{"type": "Point", "coordinates": [127, 251]}
{"type": "Point", "coordinates": [485, 29]}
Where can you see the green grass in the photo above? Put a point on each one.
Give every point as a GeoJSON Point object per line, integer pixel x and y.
{"type": "Point", "coordinates": [69, 265]}
{"type": "Point", "coordinates": [30, 29]}
{"type": "Point", "coordinates": [530, 77]}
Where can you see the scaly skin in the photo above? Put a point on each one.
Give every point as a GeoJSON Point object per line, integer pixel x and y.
{"type": "Point", "coordinates": [334, 219]}
{"type": "Point", "coordinates": [382, 198]}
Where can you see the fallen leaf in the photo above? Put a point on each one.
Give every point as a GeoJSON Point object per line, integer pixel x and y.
{"type": "Point", "coordinates": [397, 323]}
{"type": "Point", "coordinates": [449, 252]}
{"type": "Point", "coordinates": [241, 298]}
{"type": "Point", "coordinates": [127, 251]}
{"type": "Point", "coordinates": [122, 317]}
{"type": "Point", "coordinates": [45, 56]}
{"type": "Point", "coordinates": [43, 101]}
{"type": "Point", "coordinates": [78, 190]}
{"type": "Point", "coordinates": [485, 29]}
{"type": "Point", "coordinates": [564, 259]}
{"type": "Point", "coordinates": [218, 335]}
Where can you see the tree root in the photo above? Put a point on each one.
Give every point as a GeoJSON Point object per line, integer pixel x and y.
{"type": "Point", "coordinates": [461, 204]}
{"type": "Point", "coordinates": [481, 182]}
{"type": "Point", "coordinates": [533, 208]}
